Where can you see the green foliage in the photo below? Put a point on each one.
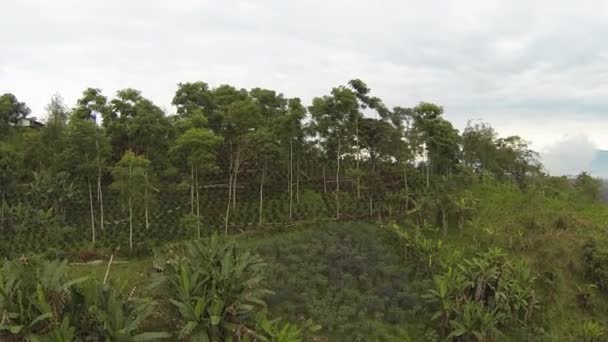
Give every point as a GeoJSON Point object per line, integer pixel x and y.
{"type": "Point", "coordinates": [104, 313]}
{"type": "Point", "coordinates": [34, 296]}
{"type": "Point", "coordinates": [596, 263]}
{"type": "Point", "coordinates": [11, 111]}
{"type": "Point", "coordinates": [215, 287]}
{"type": "Point", "coordinates": [484, 294]}
{"type": "Point", "coordinates": [592, 332]}
{"type": "Point", "coordinates": [348, 278]}
{"type": "Point", "coordinates": [276, 331]}
{"type": "Point", "coordinates": [40, 302]}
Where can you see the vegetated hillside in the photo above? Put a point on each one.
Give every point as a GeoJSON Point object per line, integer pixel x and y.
{"type": "Point", "coordinates": [543, 248]}
{"type": "Point", "coordinates": [466, 237]}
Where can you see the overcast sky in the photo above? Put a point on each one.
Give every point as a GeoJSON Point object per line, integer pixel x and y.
{"type": "Point", "coordinates": [534, 68]}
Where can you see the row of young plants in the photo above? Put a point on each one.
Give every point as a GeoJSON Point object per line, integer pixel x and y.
{"type": "Point", "coordinates": [202, 291]}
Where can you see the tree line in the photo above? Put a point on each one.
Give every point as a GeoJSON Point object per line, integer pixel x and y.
{"type": "Point", "coordinates": [346, 146]}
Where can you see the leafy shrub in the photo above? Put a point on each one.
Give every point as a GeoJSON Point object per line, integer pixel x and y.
{"type": "Point", "coordinates": [33, 296]}
{"type": "Point", "coordinates": [596, 263]}
{"type": "Point", "coordinates": [275, 331]}
{"type": "Point", "coordinates": [215, 287]}
{"type": "Point", "coordinates": [39, 302]}
{"type": "Point", "coordinates": [483, 294]}
{"type": "Point", "coordinates": [592, 332]}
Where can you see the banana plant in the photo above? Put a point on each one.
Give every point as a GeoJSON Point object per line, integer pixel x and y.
{"type": "Point", "coordinates": [116, 317]}
{"type": "Point", "coordinates": [33, 296]}
{"type": "Point", "coordinates": [216, 289]}
{"type": "Point", "coordinates": [477, 323]}
{"type": "Point", "coordinates": [276, 331]}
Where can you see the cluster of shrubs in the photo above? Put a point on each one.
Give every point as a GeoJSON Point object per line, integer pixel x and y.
{"type": "Point", "coordinates": [482, 295]}
{"type": "Point", "coordinates": [202, 291]}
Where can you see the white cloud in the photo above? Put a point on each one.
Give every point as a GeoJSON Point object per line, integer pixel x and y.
{"type": "Point", "coordinates": [535, 69]}
{"type": "Point", "coordinates": [570, 155]}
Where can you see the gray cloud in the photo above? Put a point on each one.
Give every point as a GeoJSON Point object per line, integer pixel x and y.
{"type": "Point", "coordinates": [536, 69]}
{"type": "Point", "coordinates": [570, 155]}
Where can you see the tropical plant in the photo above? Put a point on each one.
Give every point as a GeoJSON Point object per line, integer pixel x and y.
{"type": "Point", "coordinates": [34, 296]}
{"type": "Point", "coordinates": [591, 331]}
{"type": "Point", "coordinates": [276, 331]}
{"type": "Point", "coordinates": [477, 323]}
{"type": "Point", "coordinates": [216, 288]}
{"type": "Point", "coordinates": [108, 314]}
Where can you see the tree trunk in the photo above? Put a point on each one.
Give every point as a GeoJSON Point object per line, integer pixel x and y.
{"type": "Point", "coordinates": [406, 187]}
{"type": "Point", "coordinates": [198, 206]}
{"type": "Point", "coordinates": [338, 182]}
{"type": "Point", "coordinates": [130, 212]}
{"type": "Point", "coordinates": [226, 219]}
{"type": "Point", "coordinates": [192, 189]}
{"type": "Point", "coordinates": [358, 158]}
{"type": "Point", "coordinates": [298, 181]}
{"type": "Point", "coordinates": [130, 223]}
{"type": "Point", "coordinates": [324, 181]}
{"type": "Point", "coordinates": [261, 209]}
{"type": "Point", "coordinates": [99, 189]}
{"type": "Point", "coordinates": [444, 222]}
{"type": "Point", "coordinates": [146, 200]}
{"type": "Point", "coordinates": [93, 235]}
{"type": "Point", "coordinates": [237, 164]}
{"type": "Point", "coordinates": [428, 171]}
{"type": "Point", "coordinates": [291, 179]}
{"type": "Point", "coordinates": [371, 206]}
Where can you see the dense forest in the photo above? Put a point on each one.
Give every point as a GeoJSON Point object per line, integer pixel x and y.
{"type": "Point", "coordinates": [249, 216]}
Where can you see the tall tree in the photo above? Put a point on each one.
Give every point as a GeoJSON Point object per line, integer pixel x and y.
{"type": "Point", "coordinates": [91, 107]}
{"type": "Point", "coordinates": [83, 158]}
{"type": "Point", "coordinates": [240, 120]}
{"type": "Point", "coordinates": [272, 109]}
{"type": "Point", "coordinates": [290, 131]}
{"type": "Point", "coordinates": [11, 112]}
{"type": "Point", "coordinates": [130, 180]}
{"type": "Point", "coordinates": [197, 145]}
{"type": "Point", "coordinates": [441, 139]}
{"type": "Point", "coordinates": [332, 117]}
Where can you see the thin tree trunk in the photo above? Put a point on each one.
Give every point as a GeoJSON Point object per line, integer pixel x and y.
{"type": "Point", "coordinates": [237, 164]}
{"type": "Point", "coordinates": [198, 206]}
{"type": "Point", "coordinates": [406, 187]}
{"type": "Point", "coordinates": [99, 189]}
{"type": "Point", "coordinates": [428, 170]}
{"type": "Point", "coordinates": [371, 206]}
{"type": "Point", "coordinates": [146, 204]}
{"type": "Point", "coordinates": [324, 181]}
{"type": "Point", "coordinates": [130, 212]}
{"type": "Point", "coordinates": [291, 179]}
{"type": "Point", "coordinates": [261, 209]}
{"type": "Point", "coordinates": [192, 189]}
{"type": "Point", "coordinates": [338, 182]}
{"type": "Point", "coordinates": [130, 223]}
{"type": "Point", "coordinates": [358, 158]}
{"type": "Point", "coordinates": [444, 222]}
{"type": "Point", "coordinates": [226, 219]}
{"type": "Point", "coordinates": [93, 235]}
{"type": "Point", "coordinates": [298, 181]}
